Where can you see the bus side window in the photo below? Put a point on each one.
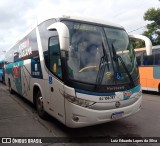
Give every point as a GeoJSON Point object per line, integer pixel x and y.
{"type": "Point", "coordinates": [157, 57]}
{"type": "Point", "coordinates": [148, 60]}
{"type": "Point", "coordinates": [140, 58]}
{"type": "Point", "coordinates": [54, 56]}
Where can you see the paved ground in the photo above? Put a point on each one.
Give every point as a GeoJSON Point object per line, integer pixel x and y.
{"type": "Point", "coordinates": [18, 118]}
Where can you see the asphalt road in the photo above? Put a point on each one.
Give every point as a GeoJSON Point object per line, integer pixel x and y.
{"type": "Point", "coordinates": [18, 118]}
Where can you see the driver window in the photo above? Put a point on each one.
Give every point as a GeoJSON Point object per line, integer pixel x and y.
{"type": "Point", "coordinates": [54, 56]}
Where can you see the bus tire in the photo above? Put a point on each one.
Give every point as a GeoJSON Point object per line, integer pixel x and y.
{"type": "Point", "coordinates": [10, 88]}
{"type": "Point", "coordinates": [39, 106]}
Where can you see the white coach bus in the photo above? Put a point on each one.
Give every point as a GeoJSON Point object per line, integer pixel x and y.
{"type": "Point", "coordinates": [82, 71]}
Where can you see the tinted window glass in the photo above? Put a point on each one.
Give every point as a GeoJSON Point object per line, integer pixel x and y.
{"type": "Point", "coordinates": [148, 60]}
{"type": "Point", "coordinates": [54, 56]}
{"type": "Point", "coordinates": [156, 57]}
{"type": "Point", "coordinates": [89, 59]}
{"type": "Point", "coordinates": [139, 57]}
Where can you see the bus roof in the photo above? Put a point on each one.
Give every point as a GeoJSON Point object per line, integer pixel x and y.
{"type": "Point", "coordinates": [82, 18]}
{"type": "Point", "coordinates": [69, 17]}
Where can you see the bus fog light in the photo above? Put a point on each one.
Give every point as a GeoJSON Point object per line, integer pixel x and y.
{"type": "Point", "coordinates": [78, 101]}
{"type": "Point", "coordinates": [75, 118]}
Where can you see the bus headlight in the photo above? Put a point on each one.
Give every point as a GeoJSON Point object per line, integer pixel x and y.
{"type": "Point", "coordinates": [78, 101]}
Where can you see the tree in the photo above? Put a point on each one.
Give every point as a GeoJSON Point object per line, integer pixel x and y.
{"type": "Point", "coordinates": [137, 43]}
{"type": "Point", "coordinates": [153, 29]}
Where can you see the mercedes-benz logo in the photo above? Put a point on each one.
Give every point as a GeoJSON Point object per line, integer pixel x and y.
{"type": "Point", "coordinates": [117, 104]}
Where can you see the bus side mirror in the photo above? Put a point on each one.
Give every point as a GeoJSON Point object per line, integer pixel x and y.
{"type": "Point", "coordinates": [148, 43]}
{"type": "Point", "coordinates": [63, 34]}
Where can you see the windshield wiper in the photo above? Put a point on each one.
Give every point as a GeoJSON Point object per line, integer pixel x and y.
{"type": "Point", "coordinates": [102, 68]}
{"type": "Point", "coordinates": [115, 58]}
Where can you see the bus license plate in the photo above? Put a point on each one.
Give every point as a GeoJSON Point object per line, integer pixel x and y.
{"type": "Point", "coordinates": [117, 115]}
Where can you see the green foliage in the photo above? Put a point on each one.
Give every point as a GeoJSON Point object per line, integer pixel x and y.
{"type": "Point", "coordinates": [137, 43]}
{"type": "Point", "coordinates": [153, 28]}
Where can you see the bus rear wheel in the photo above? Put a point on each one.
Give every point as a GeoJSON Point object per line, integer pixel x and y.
{"type": "Point", "coordinates": [39, 106]}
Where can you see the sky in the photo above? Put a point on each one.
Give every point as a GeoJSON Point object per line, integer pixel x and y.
{"type": "Point", "coordinates": [17, 16]}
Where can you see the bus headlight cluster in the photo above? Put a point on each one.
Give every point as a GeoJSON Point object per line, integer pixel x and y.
{"type": "Point", "coordinates": [78, 101]}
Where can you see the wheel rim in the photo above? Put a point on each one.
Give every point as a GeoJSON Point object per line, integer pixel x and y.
{"type": "Point", "coordinates": [40, 104]}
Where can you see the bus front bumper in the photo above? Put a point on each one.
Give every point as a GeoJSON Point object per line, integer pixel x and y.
{"type": "Point", "coordinates": [77, 116]}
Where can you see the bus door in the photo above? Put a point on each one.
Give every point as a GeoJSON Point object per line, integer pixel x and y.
{"type": "Point", "coordinates": [55, 78]}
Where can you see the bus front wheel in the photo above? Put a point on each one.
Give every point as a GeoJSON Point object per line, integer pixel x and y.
{"type": "Point", "coordinates": [39, 105]}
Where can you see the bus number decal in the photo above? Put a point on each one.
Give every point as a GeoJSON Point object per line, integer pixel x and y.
{"type": "Point", "coordinates": [107, 97]}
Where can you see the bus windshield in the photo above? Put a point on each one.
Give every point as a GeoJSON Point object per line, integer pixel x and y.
{"type": "Point", "coordinates": [100, 55]}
